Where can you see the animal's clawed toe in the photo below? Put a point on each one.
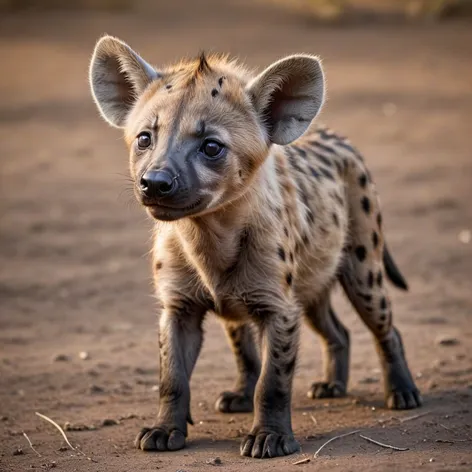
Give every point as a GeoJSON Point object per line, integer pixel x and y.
{"type": "Point", "coordinates": [405, 400]}
{"type": "Point", "coordinates": [327, 390]}
{"type": "Point", "coordinates": [159, 439]}
{"type": "Point", "coordinates": [232, 402]}
{"type": "Point", "coordinates": [267, 444]}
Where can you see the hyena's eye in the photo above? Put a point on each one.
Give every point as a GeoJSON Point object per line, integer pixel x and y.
{"type": "Point", "coordinates": [144, 140]}
{"type": "Point", "coordinates": [212, 149]}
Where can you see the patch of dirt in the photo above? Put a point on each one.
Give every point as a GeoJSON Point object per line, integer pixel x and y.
{"type": "Point", "coordinates": [75, 276]}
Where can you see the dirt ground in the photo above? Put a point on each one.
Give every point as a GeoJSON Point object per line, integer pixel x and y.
{"type": "Point", "coordinates": [75, 276]}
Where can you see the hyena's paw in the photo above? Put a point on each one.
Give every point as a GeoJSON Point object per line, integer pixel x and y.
{"type": "Point", "coordinates": [404, 400]}
{"type": "Point", "coordinates": [327, 390]}
{"type": "Point", "coordinates": [160, 438]}
{"type": "Point", "coordinates": [269, 444]}
{"type": "Point", "coordinates": [233, 402]}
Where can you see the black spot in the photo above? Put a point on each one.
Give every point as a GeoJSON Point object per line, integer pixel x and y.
{"type": "Point", "coordinates": [275, 354]}
{"type": "Point", "coordinates": [379, 220]}
{"type": "Point", "coordinates": [233, 333]}
{"type": "Point", "coordinates": [315, 173]}
{"type": "Point", "coordinates": [370, 279]}
{"type": "Point", "coordinates": [368, 308]}
{"type": "Point", "coordinates": [299, 150]}
{"type": "Point", "coordinates": [277, 371]}
{"type": "Point", "coordinates": [336, 219]}
{"type": "Point", "coordinates": [379, 279]}
{"type": "Point", "coordinates": [168, 86]}
{"type": "Point", "coordinates": [326, 173]}
{"type": "Point", "coordinates": [220, 81]}
{"type": "Point", "coordinates": [237, 345]}
{"type": "Point", "coordinates": [290, 366]}
{"type": "Point", "coordinates": [382, 317]}
{"type": "Point", "coordinates": [323, 147]}
{"type": "Point", "coordinates": [305, 239]}
{"type": "Point", "coordinates": [281, 253]}
{"type": "Point", "coordinates": [375, 239]}
{"type": "Point", "coordinates": [288, 278]}
{"type": "Point", "coordinates": [291, 330]}
{"type": "Point", "coordinates": [383, 303]}
{"type": "Point", "coordinates": [158, 265]}
{"type": "Point", "coordinates": [367, 297]}
{"type": "Point", "coordinates": [240, 173]}
{"type": "Point", "coordinates": [286, 231]}
{"type": "Point", "coordinates": [360, 253]}
{"type": "Point", "coordinates": [324, 160]}
{"type": "Point", "coordinates": [363, 180]}
{"type": "Point", "coordinates": [214, 93]}
{"type": "Point", "coordinates": [284, 319]}
{"type": "Point", "coordinates": [286, 348]}
{"type": "Point", "coordinates": [365, 202]}
{"type": "Point", "coordinates": [291, 256]}
{"type": "Point", "coordinates": [380, 327]}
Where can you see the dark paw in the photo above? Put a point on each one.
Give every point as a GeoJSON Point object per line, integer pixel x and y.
{"type": "Point", "coordinates": [327, 390]}
{"type": "Point", "coordinates": [230, 402]}
{"type": "Point", "coordinates": [159, 438]}
{"type": "Point", "coordinates": [405, 400]}
{"type": "Point", "coordinates": [268, 444]}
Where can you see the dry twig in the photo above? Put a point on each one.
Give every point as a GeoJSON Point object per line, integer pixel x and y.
{"type": "Point", "coordinates": [387, 446]}
{"type": "Point", "coordinates": [31, 444]}
{"type": "Point", "coordinates": [302, 461]}
{"type": "Point", "coordinates": [414, 417]}
{"type": "Point", "coordinates": [332, 439]}
{"type": "Point", "coordinates": [315, 421]}
{"type": "Point", "coordinates": [76, 449]}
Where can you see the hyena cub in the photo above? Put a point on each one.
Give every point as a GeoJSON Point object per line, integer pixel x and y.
{"type": "Point", "coordinates": [257, 215]}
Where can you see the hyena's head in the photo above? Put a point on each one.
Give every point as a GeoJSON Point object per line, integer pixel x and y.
{"type": "Point", "coordinates": [198, 132]}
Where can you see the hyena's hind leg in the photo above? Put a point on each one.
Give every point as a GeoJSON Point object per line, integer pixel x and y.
{"type": "Point", "coordinates": [241, 398]}
{"type": "Point", "coordinates": [335, 338]}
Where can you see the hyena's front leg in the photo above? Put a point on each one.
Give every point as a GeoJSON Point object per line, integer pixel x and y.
{"type": "Point", "coordinates": [180, 340]}
{"type": "Point", "coordinates": [242, 343]}
{"type": "Point", "coordinates": [271, 434]}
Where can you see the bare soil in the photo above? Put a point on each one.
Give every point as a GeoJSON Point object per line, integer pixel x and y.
{"type": "Point", "coordinates": [74, 271]}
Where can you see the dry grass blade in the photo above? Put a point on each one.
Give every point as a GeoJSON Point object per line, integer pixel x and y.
{"type": "Point", "coordinates": [31, 444]}
{"type": "Point", "coordinates": [387, 446]}
{"type": "Point", "coordinates": [414, 417]}
{"type": "Point", "coordinates": [332, 439]}
{"type": "Point", "coordinates": [315, 421]}
{"type": "Point", "coordinates": [302, 461]}
{"type": "Point", "coordinates": [44, 417]}
{"type": "Point", "coordinates": [59, 428]}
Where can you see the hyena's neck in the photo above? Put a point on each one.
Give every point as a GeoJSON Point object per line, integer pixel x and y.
{"type": "Point", "coordinates": [212, 243]}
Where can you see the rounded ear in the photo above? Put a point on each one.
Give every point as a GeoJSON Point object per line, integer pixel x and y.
{"type": "Point", "coordinates": [118, 75]}
{"type": "Point", "coordinates": [288, 95]}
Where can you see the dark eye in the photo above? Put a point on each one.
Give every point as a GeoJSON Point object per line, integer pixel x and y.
{"type": "Point", "coordinates": [212, 149]}
{"type": "Point", "coordinates": [144, 140]}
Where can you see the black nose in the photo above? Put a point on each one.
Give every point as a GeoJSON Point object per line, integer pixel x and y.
{"type": "Point", "coordinates": [158, 183]}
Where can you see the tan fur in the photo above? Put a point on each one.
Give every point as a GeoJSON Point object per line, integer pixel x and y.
{"type": "Point", "coordinates": [280, 224]}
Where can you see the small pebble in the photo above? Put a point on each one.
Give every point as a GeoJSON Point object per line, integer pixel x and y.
{"type": "Point", "coordinates": [96, 389]}
{"type": "Point", "coordinates": [448, 341]}
{"type": "Point", "coordinates": [61, 358]}
{"type": "Point", "coordinates": [215, 461]}
{"type": "Point", "coordinates": [84, 355]}
{"type": "Point", "coordinates": [465, 236]}
{"type": "Point", "coordinates": [431, 460]}
{"type": "Point", "coordinates": [155, 388]}
{"type": "Point", "coordinates": [109, 422]}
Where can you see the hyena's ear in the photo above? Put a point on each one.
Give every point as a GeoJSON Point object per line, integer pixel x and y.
{"type": "Point", "coordinates": [118, 75]}
{"type": "Point", "coordinates": [288, 95]}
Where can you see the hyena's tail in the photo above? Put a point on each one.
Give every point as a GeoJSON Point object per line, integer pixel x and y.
{"type": "Point", "coordinates": [393, 273]}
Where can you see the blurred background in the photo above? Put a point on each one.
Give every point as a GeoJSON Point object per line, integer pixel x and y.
{"type": "Point", "coordinates": [77, 318]}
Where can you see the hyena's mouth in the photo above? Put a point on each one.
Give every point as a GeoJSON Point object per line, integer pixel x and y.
{"type": "Point", "coordinates": [168, 213]}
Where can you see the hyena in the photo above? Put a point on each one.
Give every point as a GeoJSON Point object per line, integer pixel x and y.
{"type": "Point", "coordinates": [258, 213]}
